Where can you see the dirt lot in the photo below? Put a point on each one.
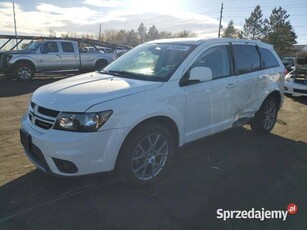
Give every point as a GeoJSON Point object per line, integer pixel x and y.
{"type": "Point", "coordinates": [234, 170]}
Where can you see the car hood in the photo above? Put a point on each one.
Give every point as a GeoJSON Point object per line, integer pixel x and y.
{"type": "Point", "coordinates": [17, 52]}
{"type": "Point", "coordinates": [79, 93]}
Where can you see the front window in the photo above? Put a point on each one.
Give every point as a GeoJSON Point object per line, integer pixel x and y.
{"type": "Point", "coordinates": [217, 59]}
{"type": "Point", "coordinates": [33, 45]}
{"type": "Point", "coordinates": [50, 47]}
{"type": "Point", "coordinates": [152, 62]}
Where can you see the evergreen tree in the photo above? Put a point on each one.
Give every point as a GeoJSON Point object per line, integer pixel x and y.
{"type": "Point", "coordinates": [230, 31]}
{"type": "Point", "coordinates": [153, 33]}
{"type": "Point", "coordinates": [280, 32]}
{"type": "Point", "coordinates": [142, 32]}
{"type": "Point", "coordinates": [253, 27]}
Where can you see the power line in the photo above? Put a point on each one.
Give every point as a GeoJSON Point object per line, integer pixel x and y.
{"type": "Point", "coordinates": [267, 7]}
{"type": "Point", "coordinates": [244, 16]}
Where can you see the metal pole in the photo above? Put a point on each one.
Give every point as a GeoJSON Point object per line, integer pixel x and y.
{"type": "Point", "coordinates": [15, 24]}
{"type": "Point", "coordinates": [220, 24]}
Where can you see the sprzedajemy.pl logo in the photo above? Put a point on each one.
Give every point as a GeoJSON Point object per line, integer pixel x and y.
{"type": "Point", "coordinates": [257, 214]}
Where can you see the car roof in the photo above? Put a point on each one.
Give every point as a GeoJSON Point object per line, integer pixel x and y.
{"type": "Point", "coordinates": [198, 41]}
{"type": "Point", "coordinates": [55, 40]}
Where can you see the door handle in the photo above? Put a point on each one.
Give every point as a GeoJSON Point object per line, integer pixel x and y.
{"type": "Point", "coordinates": [230, 85]}
{"type": "Point", "coordinates": [263, 77]}
{"type": "Point", "coordinates": [58, 55]}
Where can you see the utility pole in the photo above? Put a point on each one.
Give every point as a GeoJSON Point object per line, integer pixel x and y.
{"type": "Point", "coordinates": [99, 36]}
{"type": "Point", "coordinates": [15, 24]}
{"type": "Point", "coordinates": [220, 24]}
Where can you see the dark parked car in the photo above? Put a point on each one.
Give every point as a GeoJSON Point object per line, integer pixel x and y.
{"type": "Point", "coordinates": [288, 62]}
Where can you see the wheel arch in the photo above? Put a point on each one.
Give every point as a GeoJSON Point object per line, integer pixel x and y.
{"type": "Point", "coordinates": [276, 94]}
{"type": "Point", "coordinates": [25, 61]}
{"type": "Point", "coordinates": [104, 60]}
{"type": "Point", "coordinates": [163, 120]}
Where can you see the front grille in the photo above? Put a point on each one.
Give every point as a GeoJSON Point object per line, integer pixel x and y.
{"type": "Point", "coordinates": [48, 112]}
{"type": "Point", "coordinates": [301, 81]}
{"type": "Point", "coordinates": [42, 117]}
{"type": "Point", "coordinates": [300, 91]}
{"type": "Point", "coordinates": [42, 124]}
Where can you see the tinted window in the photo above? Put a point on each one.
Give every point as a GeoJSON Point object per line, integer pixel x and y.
{"type": "Point", "coordinates": [50, 47]}
{"type": "Point", "coordinates": [268, 59]}
{"type": "Point", "coordinates": [67, 47]}
{"type": "Point", "coordinates": [246, 59]}
{"type": "Point", "coordinates": [217, 60]}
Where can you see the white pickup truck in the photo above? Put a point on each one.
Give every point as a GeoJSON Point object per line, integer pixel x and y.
{"type": "Point", "coordinates": [52, 55]}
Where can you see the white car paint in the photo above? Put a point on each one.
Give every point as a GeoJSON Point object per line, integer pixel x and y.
{"type": "Point", "coordinates": [197, 110]}
{"type": "Point", "coordinates": [293, 88]}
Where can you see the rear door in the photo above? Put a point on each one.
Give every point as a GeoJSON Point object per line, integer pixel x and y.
{"type": "Point", "coordinates": [250, 80]}
{"type": "Point", "coordinates": [69, 58]}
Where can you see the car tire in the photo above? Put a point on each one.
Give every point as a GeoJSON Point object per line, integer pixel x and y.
{"type": "Point", "coordinates": [24, 71]}
{"type": "Point", "coordinates": [265, 118]}
{"type": "Point", "coordinates": [146, 154]}
{"type": "Point", "coordinates": [100, 64]}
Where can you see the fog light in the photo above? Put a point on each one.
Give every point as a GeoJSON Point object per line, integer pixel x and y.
{"type": "Point", "coordinates": [65, 166]}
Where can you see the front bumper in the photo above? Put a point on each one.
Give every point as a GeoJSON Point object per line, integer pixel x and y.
{"type": "Point", "coordinates": [88, 152]}
{"type": "Point", "coordinates": [295, 89]}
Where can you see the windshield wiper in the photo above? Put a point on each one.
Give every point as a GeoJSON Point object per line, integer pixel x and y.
{"type": "Point", "coordinates": [127, 74]}
{"type": "Point", "coordinates": [102, 71]}
{"type": "Point", "coordinates": [122, 74]}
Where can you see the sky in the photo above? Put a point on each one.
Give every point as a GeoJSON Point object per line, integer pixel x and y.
{"type": "Point", "coordinates": [37, 17]}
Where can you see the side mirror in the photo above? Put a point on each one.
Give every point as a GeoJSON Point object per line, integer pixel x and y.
{"type": "Point", "coordinates": [200, 74]}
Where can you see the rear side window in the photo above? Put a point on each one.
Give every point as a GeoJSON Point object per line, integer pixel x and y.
{"type": "Point", "coordinates": [67, 47]}
{"type": "Point", "coordinates": [247, 59]}
{"type": "Point", "coordinates": [268, 59]}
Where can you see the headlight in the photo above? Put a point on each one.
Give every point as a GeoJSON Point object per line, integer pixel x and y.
{"type": "Point", "coordinates": [82, 122]}
{"type": "Point", "coordinates": [288, 77]}
{"type": "Point", "coordinates": [9, 57]}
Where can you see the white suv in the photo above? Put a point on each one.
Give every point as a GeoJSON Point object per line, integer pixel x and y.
{"type": "Point", "coordinates": [134, 114]}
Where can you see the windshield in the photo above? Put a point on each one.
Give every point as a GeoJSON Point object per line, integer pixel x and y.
{"type": "Point", "coordinates": [152, 62]}
{"type": "Point", "coordinates": [33, 45]}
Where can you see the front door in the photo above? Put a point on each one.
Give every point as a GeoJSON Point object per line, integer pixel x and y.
{"type": "Point", "coordinates": [211, 106]}
{"type": "Point", "coordinates": [48, 56]}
